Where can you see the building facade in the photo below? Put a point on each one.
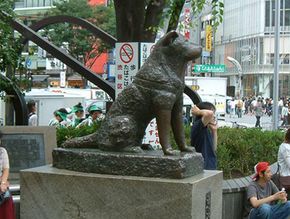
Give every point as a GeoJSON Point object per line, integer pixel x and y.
{"type": "Point", "coordinates": [247, 35]}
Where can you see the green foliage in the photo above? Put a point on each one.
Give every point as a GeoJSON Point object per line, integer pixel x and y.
{"type": "Point", "coordinates": [240, 149]}
{"type": "Point", "coordinates": [63, 134]}
{"type": "Point", "coordinates": [9, 46]}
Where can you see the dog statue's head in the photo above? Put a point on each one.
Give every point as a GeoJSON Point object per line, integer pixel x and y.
{"type": "Point", "coordinates": [175, 44]}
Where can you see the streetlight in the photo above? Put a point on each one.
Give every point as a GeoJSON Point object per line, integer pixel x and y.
{"type": "Point", "coordinates": [240, 72]}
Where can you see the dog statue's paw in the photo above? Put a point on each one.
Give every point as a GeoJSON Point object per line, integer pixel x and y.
{"type": "Point", "coordinates": [169, 151]}
{"type": "Point", "coordinates": [187, 149]}
{"type": "Point", "coordinates": [136, 150]}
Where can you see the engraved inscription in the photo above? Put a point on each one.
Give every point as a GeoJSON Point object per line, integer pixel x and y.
{"type": "Point", "coordinates": [25, 150]}
{"type": "Point", "coordinates": [207, 205]}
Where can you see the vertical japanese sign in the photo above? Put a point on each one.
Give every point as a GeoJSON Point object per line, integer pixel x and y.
{"type": "Point", "coordinates": [62, 78]}
{"type": "Point", "coordinates": [126, 65]}
{"type": "Point", "coordinates": [145, 50]}
{"type": "Point", "coordinates": [208, 38]}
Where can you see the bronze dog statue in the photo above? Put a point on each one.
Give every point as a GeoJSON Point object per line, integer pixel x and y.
{"type": "Point", "coordinates": [157, 91]}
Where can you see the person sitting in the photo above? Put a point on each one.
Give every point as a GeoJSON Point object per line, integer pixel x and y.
{"type": "Point", "coordinates": [263, 196]}
{"type": "Point", "coordinates": [95, 115]}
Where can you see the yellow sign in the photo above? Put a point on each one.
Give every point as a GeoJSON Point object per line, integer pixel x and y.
{"type": "Point", "coordinates": [208, 38]}
{"type": "Point", "coordinates": [195, 87]}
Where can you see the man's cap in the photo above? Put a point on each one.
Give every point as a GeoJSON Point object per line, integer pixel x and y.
{"type": "Point", "coordinates": [78, 108]}
{"type": "Point", "coordinates": [259, 167]}
{"type": "Point", "coordinates": [94, 108]}
{"type": "Point", "coordinates": [61, 114]}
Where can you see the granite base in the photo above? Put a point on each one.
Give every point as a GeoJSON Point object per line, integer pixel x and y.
{"type": "Point", "coordinates": [48, 192]}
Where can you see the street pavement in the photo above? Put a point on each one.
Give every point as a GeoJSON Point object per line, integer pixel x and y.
{"type": "Point", "coordinates": [246, 120]}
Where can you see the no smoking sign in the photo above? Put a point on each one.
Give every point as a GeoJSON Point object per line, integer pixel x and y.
{"type": "Point", "coordinates": [126, 53]}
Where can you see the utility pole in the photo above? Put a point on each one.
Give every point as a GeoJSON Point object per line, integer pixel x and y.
{"type": "Point", "coordinates": [276, 66]}
{"type": "Point", "coordinates": [240, 73]}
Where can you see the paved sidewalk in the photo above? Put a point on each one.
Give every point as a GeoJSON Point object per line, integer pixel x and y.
{"type": "Point", "coordinates": [246, 120]}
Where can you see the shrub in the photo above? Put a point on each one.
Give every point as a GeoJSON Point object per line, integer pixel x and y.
{"type": "Point", "coordinates": [63, 134]}
{"type": "Point", "coordinates": [238, 149]}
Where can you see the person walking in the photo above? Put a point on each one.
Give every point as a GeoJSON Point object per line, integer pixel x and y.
{"type": "Point", "coordinates": [60, 119]}
{"type": "Point", "coordinates": [264, 198]}
{"type": "Point", "coordinates": [258, 110]}
{"type": "Point", "coordinates": [79, 115]}
{"type": "Point", "coordinates": [32, 117]}
{"type": "Point", "coordinates": [95, 115]}
{"type": "Point", "coordinates": [284, 115]}
{"type": "Point", "coordinates": [204, 133]}
{"type": "Point", "coordinates": [240, 105]}
{"type": "Point", "coordinates": [284, 157]}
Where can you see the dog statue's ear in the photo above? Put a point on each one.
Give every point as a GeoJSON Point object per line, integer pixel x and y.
{"type": "Point", "coordinates": [169, 38]}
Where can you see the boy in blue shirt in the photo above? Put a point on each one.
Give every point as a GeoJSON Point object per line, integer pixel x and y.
{"type": "Point", "coordinates": [204, 133]}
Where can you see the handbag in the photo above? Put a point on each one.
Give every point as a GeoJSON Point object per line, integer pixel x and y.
{"type": "Point", "coordinates": [281, 181]}
{"type": "Point", "coordinates": [276, 178]}
{"type": "Point", "coordinates": [4, 196]}
{"type": "Point", "coordinates": [285, 182]}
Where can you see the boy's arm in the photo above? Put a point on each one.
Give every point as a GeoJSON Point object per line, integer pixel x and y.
{"type": "Point", "coordinates": [206, 115]}
{"type": "Point", "coordinates": [281, 195]}
{"type": "Point", "coordinates": [213, 127]}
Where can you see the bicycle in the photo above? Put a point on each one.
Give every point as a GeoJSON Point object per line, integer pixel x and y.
{"type": "Point", "coordinates": [238, 126]}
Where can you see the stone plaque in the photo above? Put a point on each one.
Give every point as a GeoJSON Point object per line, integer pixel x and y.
{"type": "Point", "coordinates": [27, 147]}
{"type": "Point", "coordinates": [24, 150]}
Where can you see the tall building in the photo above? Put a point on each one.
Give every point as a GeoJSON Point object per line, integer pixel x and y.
{"type": "Point", "coordinates": [247, 35]}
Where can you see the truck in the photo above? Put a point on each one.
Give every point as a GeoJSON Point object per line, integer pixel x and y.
{"type": "Point", "coordinates": [211, 89]}
{"type": "Point", "coordinates": [47, 102]}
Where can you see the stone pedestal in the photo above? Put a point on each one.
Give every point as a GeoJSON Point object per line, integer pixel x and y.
{"type": "Point", "coordinates": [48, 192]}
{"type": "Point", "coordinates": [148, 163]}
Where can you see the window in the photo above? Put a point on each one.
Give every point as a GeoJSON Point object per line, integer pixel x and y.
{"type": "Point", "coordinates": [267, 14]}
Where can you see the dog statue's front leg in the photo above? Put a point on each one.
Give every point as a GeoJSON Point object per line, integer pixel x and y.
{"type": "Point", "coordinates": [178, 127]}
{"type": "Point", "coordinates": [163, 118]}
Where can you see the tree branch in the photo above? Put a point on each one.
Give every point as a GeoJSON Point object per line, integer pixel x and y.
{"type": "Point", "coordinates": [175, 13]}
{"type": "Point", "coordinates": [152, 19]}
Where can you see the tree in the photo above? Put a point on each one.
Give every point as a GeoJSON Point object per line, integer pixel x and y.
{"type": "Point", "coordinates": [9, 49]}
{"type": "Point", "coordinates": [137, 20]}
{"type": "Point", "coordinates": [82, 45]}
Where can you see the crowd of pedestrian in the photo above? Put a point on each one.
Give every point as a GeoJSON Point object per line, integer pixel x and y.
{"type": "Point", "coordinates": [258, 107]}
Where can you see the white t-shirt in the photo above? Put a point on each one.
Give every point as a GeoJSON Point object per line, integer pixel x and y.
{"type": "Point", "coordinates": [32, 121]}
{"type": "Point", "coordinates": [4, 161]}
{"type": "Point", "coordinates": [284, 159]}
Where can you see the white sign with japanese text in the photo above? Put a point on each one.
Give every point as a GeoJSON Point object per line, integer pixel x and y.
{"type": "Point", "coordinates": [151, 135]}
{"type": "Point", "coordinates": [145, 51]}
{"type": "Point", "coordinates": [126, 64]}
{"type": "Point", "coordinates": [62, 78]}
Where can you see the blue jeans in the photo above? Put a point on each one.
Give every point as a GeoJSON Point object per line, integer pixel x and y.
{"type": "Point", "coordinates": [266, 211]}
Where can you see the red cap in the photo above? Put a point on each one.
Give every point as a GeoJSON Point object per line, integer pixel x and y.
{"type": "Point", "coordinates": [259, 167]}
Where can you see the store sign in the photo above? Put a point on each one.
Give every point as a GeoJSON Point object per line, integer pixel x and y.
{"type": "Point", "coordinates": [210, 68]}
{"type": "Point", "coordinates": [208, 38]}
